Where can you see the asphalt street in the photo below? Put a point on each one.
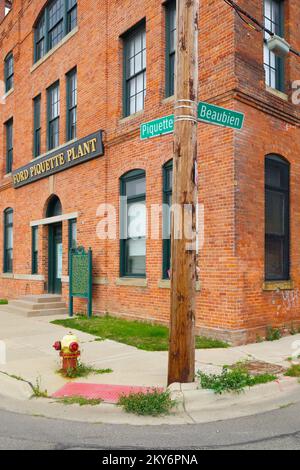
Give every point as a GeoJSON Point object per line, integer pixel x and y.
{"type": "Point", "coordinates": [276, 430]}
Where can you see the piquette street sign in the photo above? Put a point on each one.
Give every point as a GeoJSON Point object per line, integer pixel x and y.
{"type": "Point", "coordinates": [162, 126]}
{"type": "Point", "coordinates": [208, 113]}
{"type": "Point", "coordinates": [70, 155]}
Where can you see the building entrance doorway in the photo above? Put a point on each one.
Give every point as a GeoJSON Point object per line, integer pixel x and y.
{"type": "Point", "coordinates": [55, 258]}
{"type": "Point", "coordinates": [55, 248]}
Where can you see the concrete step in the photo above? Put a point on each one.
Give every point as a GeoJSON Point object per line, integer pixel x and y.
{"type": "Point", "coordinates": [42, 299]}
{"type": "Point", "coordinates": [29, 305]}
{"type": "Point", "coordinates": [25, 312]}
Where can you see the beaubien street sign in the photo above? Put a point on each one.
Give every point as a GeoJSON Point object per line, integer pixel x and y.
{"type": "Point", "coordinates": [207, 112]}
{"type": "Point", "coordinates": [218, 116]}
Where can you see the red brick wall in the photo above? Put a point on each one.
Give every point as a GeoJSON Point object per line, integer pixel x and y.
{"type": "Point", "coordinates": [231, 303]}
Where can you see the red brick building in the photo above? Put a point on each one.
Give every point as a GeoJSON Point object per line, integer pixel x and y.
{"type": "Point", "coordinates": [71, 69]}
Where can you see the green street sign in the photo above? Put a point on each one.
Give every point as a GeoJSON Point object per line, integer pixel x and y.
{"type": "Point", "coordinates": [161, 126]}
{"type": "Point", "coordinates": [218, 116]}
{"type": "Point", "coordinates": [207, 112]}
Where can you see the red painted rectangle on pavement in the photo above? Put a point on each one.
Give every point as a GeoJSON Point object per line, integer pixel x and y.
{"type": "Point", "coordinates": [107, 393]}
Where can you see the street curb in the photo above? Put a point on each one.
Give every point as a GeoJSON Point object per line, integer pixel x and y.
{"type": "Point", "coordinates": [194, 405]}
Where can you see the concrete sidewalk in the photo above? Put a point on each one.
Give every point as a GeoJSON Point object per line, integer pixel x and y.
{"type": "Point", "coordinates": [30, 355]}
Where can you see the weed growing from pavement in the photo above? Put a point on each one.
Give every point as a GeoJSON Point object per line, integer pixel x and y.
{"type": "Point", "coordinates": [83, 370]}
{"type": "Point", "coordinates": [232, 380]}
{"type": "Point", "coordinates": [152, 403]}
{"type": "Point", "coordinates": [293, 371]}
{"type": "Point", "coordinates": [273, 334]}
{"type": "Point", "coordinates": [81, 401]}
{"type": "Point", "coordinates": [37, 390]}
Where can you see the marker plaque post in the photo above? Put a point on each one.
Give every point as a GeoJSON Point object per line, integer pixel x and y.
{"type": "Point", "coordinates": [80, 269]}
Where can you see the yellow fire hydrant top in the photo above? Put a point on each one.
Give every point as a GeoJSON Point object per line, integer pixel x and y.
{"type": "Point", "coordinates": [67, 341]}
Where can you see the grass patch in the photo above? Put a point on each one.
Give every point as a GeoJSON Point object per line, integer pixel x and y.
{"type": "Point", "coordinates": [152, 403]}
{"type": "Point", "coordinates": [81, 401]}
{"type": "Point", "coordinates": [82, 370]}
{"type": "Point", "coordinates": [234, 380]}
{"type": "Point", "coordinates": [141, 335]}
{"type": "Point", "coordinates": [293, 371]}
{"type": "Point", "coordinates": [3, 302]}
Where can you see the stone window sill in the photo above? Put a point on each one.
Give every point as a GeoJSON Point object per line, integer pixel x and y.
{"type": "Point", "coordinates": [132, 117]}
{"type": "Point", "coordinates": [23, 277]}
{"type": "Point", "coordinates": [56, 149]}
{"type": "Point", "coordinates": [279, 94]}
{"type": "Point", "coordinates": [52, 51]}
{"type": "Point", "coordinates": [169, 99]}
{"type": "Point", "coordinates": [8, 93]}
{"type": "Point", "coordinates": [166, 284]}
{"type": "Point", "coordinates": [132, 282]}
{"type": "Point", "coordinates": [278, 285]}
{"type": "Point", "coordinates": [98, 281]}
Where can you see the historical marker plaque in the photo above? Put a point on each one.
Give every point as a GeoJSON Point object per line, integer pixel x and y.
{"type": "Point", "coordinates": [81, 276]}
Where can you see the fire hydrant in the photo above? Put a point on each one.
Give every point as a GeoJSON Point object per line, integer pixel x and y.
{"type": "Point", "coordinates": [69, 351]}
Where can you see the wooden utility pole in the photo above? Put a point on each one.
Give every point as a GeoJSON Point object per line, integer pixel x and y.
{"type": "Point", "coordinates": [183, 258]}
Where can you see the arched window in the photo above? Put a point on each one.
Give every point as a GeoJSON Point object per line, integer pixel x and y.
{"type": "Point", "coordinates": [133, 224]}
{"type": "Point", "coordinates": [277, 214]}
{"type": "Point", "coordinates": [167, 202]}
{"type": "Point", "coordinates": [54, 207]}
{"type": "Point", "coordinates": [9, 72]}
{"type": "Point", "coordinates": [8, 241]}
{"type": "Point", "coordinates": [57, 19]}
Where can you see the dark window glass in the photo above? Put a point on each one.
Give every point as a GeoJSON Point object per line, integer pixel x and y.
{"type": "Point", "coordinates": [58, 19]}
{"type": "Point", "coordinates": [53, 106]}
{"type": "Point", "coordinates": [167, 201]}
{"type": "Point", "coordinates": [135, 71]}
{"type": "Point", "coordinates": [9, 72]}
{"type": "Point", "coordinates": [40, 39]}
{"type": "Point", "coordinates": [37, 126]}
{"type": "Point", "coordinates": [71, 15]}
{"type": "Point", "coordinates": [54, 208]}
{"type": "Point", "coordinates": [9, 145]}
{"type": "Point", "coordinates": [277, 238]}
{"type": "Point", "coordinates": [72, 235]}
{"type": "Point", "coordinates": [8, 241]}
{"type": "Point", "coordinates": [170, 46]}
{"type": "Point", "coordinates": [274, 65]}
{"type": "Point", "coordinates": [35, 250]}
{"type": "Point", "coordinates": [72, 105]}
{"type": "Point", "coordinates": [133, 224]}
{"type": "Point", "coordinates": [55, 22]}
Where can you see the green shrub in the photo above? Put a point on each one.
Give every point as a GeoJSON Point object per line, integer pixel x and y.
{"type": "Point", "coordinates": [235, 380]}
{"type": "Point", "coordinates": [3, 302]}
{"type": "Point", "coordinates": [152, 403]}
{"type": "Point", "coordinates": [273, 334]}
